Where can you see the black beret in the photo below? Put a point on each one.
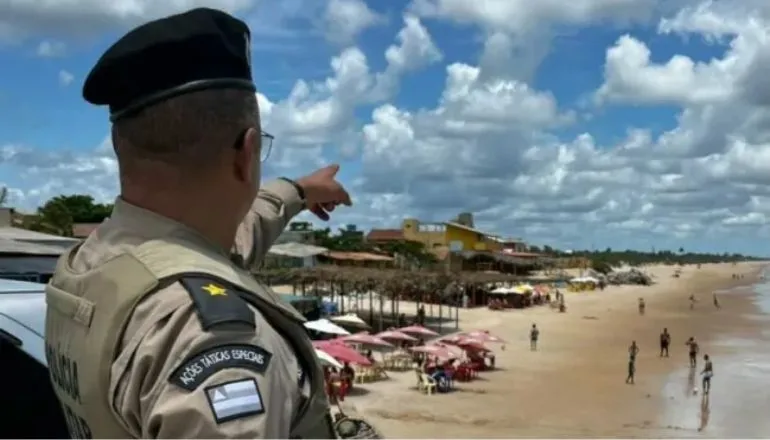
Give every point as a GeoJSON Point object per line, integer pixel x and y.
{"type": "Point", "coordinates": [196, 50]}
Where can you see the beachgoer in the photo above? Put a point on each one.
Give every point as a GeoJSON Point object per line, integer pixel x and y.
{"type": "Point", "coordinates": [633, 350]}
{"type": "Point", "coordinates": [641, 306]}
{"type": "Point", "coordinates": [692, 302]}
{"type": "Point", "coordinates": [421, 315]}
{"type": "Point", "coordinates": [348, 375]}
{"type": "Point", "coordinates": [665, 341]}
{"type": "Point", "coordinates": [708, 373]}
{"type": "Point", "coordinates": [631, 371]}
{"type": "Point", "coordinates": [534, 335]}
{"type": "Point", "coordinates": [692, 344]}
{"type": "Point", "coordinates": [716, 302]}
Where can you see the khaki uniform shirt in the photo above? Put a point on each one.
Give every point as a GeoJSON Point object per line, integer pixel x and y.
{"type": "Point", "coordinates": [165, 331]}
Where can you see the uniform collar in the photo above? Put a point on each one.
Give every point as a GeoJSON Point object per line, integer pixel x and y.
{"type": "Point", "coordinates": [151, 225]}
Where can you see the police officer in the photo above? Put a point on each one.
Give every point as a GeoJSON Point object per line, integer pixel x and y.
{"type": "Point", "coordinates": [155, 327]}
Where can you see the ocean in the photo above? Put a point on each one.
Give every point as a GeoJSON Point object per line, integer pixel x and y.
{"type": "Point", "coordinates": [739, 402]}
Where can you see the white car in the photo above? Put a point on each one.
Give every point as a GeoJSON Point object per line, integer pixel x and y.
{"type": "Point", "coordinates": [29, 408]}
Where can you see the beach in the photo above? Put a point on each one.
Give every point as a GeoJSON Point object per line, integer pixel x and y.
{"type": "Point", "coordinates": [574, 385]}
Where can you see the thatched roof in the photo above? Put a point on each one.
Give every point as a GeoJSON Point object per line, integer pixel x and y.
{"type": "Point", "coordinates": [381, 277]}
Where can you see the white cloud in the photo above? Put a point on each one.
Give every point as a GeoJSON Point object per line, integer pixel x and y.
{"type": "Point", "coordinates": [49, 49]}
{"type": "Point", "coordinates": [24, 17]}
{"type": "Point", "coordinates": [65, 78]}
{"type": "Point", "coordinates": [345, 19]}
{"type": "Point", "coordinates": [490, 141]}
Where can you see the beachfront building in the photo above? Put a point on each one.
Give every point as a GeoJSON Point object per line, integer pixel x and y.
{"type": "Point", "coordinates": [297, 232]}
{"type": "Point", "coordinates": [459, 245]}
{"type": "Point", "coordinates": [356, 259]}
{"type": "Point", "coordinates": [455, 236]}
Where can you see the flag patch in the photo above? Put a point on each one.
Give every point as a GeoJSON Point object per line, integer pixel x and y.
{"type": "Point", "coordinates": [233, 400]}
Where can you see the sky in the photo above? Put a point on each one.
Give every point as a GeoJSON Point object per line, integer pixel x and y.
{"type": "Point", "coordinates": [586, 124]}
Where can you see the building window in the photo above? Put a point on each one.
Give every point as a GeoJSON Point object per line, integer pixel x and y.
{"type": "Point", "coordinates": [431, 228]}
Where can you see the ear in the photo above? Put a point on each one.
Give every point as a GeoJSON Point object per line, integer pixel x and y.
{"type": "Point", "coordinates": [246, 155]}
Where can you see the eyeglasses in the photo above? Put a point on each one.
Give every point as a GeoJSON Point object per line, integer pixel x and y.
{"type": "Point", "coordinates": [267, 143]}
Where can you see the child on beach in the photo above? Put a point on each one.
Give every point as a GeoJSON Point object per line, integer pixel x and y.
{"type": "Point", "coordinates": [708, 373]}
{"type": "Point", "coordinates": [534, 335]}
{"type": "Point", "coordinates": [693, 346]}
{"type": "Point", "coordinates": [665, 341]}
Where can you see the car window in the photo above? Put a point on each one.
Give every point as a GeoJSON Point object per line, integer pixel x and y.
{"type": "Point", "coordinates": [29, 406]}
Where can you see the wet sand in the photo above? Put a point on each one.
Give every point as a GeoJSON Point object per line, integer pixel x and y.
{"type": "Point", "coordinates": [573, 386]}
{"type": "Point", "coordinates": [738, 403]}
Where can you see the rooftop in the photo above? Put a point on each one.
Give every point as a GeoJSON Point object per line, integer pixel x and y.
{"type": "Point", "coordinates": [385, 235]}
{"type": "Point", "coordinates": [356, 256]}
{"type": "Point", "coordinates": [11, 233]}
{"type": "Point", "coordinates": [296, 250]}
{"type": "Point", "coordinates": [27, 248]}
{"type": "Point", "coordinates": [468, 228]}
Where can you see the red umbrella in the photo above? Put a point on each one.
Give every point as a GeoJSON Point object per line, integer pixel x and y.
{"type": "Point", "coordinates": [396, 335]}
{"type": "Point", "coordinates": [454, 350]}
{"type": "Point", "coordinates": [470, 344]}
{"type": "Point", "coordinates": [484, 336]}
{"type": "Point", "coordinates": [434, 350]}
{"type": "Point", "coordinates": [365, 338]}
{"type": "Point", "coordinates": [342, 353]}
{"type": "Point", "coordinates": [418, 330]}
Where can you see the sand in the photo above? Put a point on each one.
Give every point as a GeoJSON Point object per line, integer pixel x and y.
{"type": "Point", "coordinates": [574, 385]}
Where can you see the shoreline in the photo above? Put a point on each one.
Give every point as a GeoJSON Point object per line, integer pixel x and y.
{"type": "Point", "coordinates": [736, 407]}
{"type": "Point", "coordinates": [573, 386]}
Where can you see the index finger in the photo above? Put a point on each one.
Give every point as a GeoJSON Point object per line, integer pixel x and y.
{"type": "Point", "coordinates": [345, 199]}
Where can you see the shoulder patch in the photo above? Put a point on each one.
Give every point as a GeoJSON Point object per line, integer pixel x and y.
{"type": "Point", "coordinates": [197, 368]}
{"type": "Point", "coordinates": [235, 399]}
{"type": "Point", "coordinates": [216, 303]}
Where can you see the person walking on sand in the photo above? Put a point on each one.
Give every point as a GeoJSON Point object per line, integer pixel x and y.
{"type": "Point", "coordinates": [692, 344]}
{"type": "Point", "coordinates": [641, 306]}
{"type": "Point", "coordinates": [716, 302]}
{"type": "Point", "coordinates": [707, 373]}
{"type": "Point", "coordinates": [534, 335]}
{"type": "Point", "coordinates": [665, 341]}
{"type": "Point", "coordinates": [692, 301]}
{"type": "Point", "coordinates": [633, 350]}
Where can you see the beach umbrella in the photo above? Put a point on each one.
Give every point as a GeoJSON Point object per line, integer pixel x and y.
{"type": "Point", "coordinates": [453, 350]}
{"type": "Point", "coordinates": [470, 344]}
{"type": "Point", "coordinates": [342, 353]}
{"type": "Point", "coordinates": [327, 359]}
{"type": "Point", "coordinates": [483, 336]}
{"type": "Point", "coordinates": [326, 326]}
{"type": "Point", "coordinates": [366, 339]}
{"type": "Point", "coordinates": [396, 335]}
{"type": "Point", "coordinates": [418, 330]}
{"type": "Point", "coordinates": [350, 320]}
{"type": "Point", "coordinates": [433, 350]}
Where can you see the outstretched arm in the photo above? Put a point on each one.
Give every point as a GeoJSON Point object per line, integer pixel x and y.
{"type": "Point", "coordinates": [276, 204]}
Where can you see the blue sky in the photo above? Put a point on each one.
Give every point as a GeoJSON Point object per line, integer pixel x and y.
{"type": "Point", "coordinates": [48, 131]}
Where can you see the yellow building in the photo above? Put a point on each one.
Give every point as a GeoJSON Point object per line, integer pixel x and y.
{"type": "Point", "coordinates": [453, 236]}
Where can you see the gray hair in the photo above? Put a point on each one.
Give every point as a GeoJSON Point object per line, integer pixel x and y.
{"type": "Point", "coordinates": [185, 132]}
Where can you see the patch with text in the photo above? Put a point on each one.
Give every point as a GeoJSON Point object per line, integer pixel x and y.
{"type": "Point", "coordinates": [199, 367]}
{"type": "Point", "coordinates": [236, 399]}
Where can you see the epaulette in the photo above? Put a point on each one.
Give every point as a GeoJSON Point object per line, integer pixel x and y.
{"type": "Point", "coordinates": [217, 302]}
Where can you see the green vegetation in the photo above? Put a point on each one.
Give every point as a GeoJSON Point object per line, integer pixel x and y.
{"type": "Point", "coordinates": [58, 214]}
{"type": "Point", "coordinates": [604, 259]}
